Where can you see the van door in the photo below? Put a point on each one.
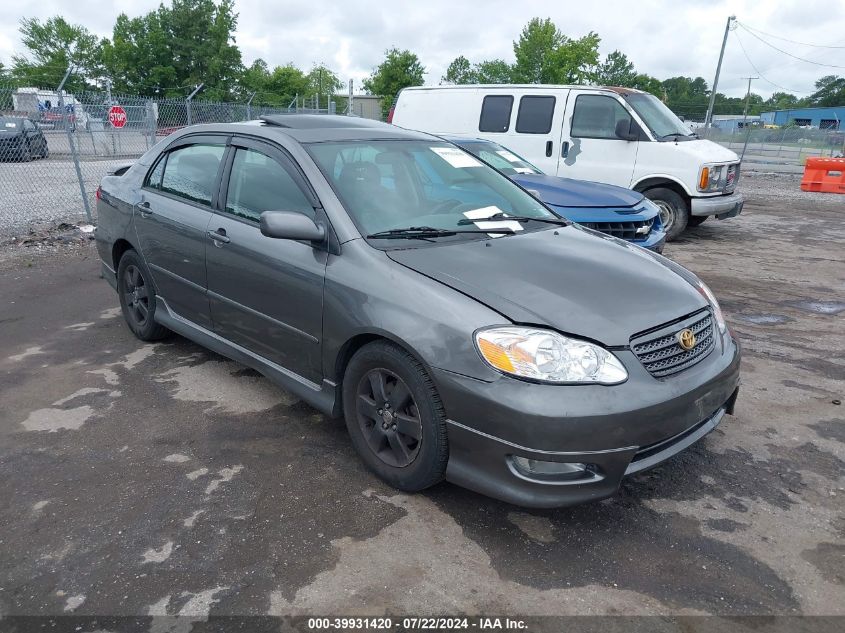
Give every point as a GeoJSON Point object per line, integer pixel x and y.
{"type": "Point", "coordinates": [537, 116]}
{"type": "Point", "coordinates": [589, 146]}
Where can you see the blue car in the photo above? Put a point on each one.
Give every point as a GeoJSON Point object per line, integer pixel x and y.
{"type": "Point", "coordinates": [611, 210]}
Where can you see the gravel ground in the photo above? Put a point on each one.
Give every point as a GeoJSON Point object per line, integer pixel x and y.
{"type": "Point", "coordinates": [163, 479]}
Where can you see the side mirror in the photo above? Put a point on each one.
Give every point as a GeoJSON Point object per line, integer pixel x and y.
{"type": "Point", "coordinates": [627, 130]}
{"type": "Point", "coordinates": [290, 225]}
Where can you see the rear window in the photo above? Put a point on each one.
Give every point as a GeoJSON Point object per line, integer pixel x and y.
{"type": "Point", "coordinates": [495, 113]}
{"type": "Point", "coordinates": [535, 115]}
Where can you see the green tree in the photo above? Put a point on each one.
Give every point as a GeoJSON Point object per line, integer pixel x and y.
{"type": "Point", "coordinates": [52, 46]}
{"type": "Point", "coordinates": [545, 55]}
{"type": "Point", "coordinates": [400, 69]}
{"type": "Point", "coordinates": [172, 49]}
{"type": "Point", "coordinates": [460, 71]}
{"type": "Point", "coordinates": [830, 91]}
{"type": "Point", "coordinates": [616, 70]}
{"type": "Point", "coordinates": [323, 81]}
{"type": "Point", "coordinates": [647, 83]}
{"type": "Point", "coordinates": [781, 101]}
{"type": "Point", "coordinates": [493, 71]}
{"type": "Point", "coordinates": [284, 84]}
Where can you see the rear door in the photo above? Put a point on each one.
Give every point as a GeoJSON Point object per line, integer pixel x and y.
{"type": "Point", "coordinates": [171, 222]}
{"type": "Point", "coordinates": [266, 294]}
{"type": "Point", "coordinates": [533, 128]}
{"type": "Point", "coordinates": [590, 149]}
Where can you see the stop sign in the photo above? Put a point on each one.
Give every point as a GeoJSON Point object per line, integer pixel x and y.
{"type": "Point", "coordinates": [117, 116]}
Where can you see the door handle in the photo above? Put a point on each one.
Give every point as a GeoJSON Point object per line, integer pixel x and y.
{"type": "Point", "coordinates": [144, 209]}
{"type": "Point", "coordinates": [548, 149]}
{"type": "Point", "coordinates": [219, 236]}
{"type": "Point", "coordinates": [564, 149]}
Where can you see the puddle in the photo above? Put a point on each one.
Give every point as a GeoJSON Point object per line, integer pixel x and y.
{"type": "Point", "coordinates": [762, 319]}
{"type": "Point", "coordinates": [821, 307]}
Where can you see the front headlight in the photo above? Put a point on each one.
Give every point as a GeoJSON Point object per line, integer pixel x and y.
{"type": "Point", "coordinates": [547, 356]}
{"type": "Point", "coordinates": [717, 310]}
{"type": "Point", "coordinates": [712, 178]}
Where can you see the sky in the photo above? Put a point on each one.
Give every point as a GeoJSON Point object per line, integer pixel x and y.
{"type": "Point", "coordinates": [664, 38]}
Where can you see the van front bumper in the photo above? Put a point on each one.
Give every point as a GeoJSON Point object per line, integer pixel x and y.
{"type": "Point", "coordinates": [601, 433]}
{"type": "Point", "coordinates": [722, 207]}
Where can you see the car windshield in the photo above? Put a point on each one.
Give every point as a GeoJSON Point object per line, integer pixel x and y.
{"type": "Point", "coordinates": [660, 119]}
{"type": "Point", "coordinates": [396, 184]}
{"type": "Point", "coordinates": [501, 158]}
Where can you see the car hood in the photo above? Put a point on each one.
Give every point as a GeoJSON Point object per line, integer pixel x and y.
{"type": "Point", "coordinates": [566, 192]}
{"type": "Point", "coordinates": [568, 278]}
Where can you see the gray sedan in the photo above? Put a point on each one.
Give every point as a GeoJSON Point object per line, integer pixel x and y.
{"type": "Point", "coordinates": [463, 330]}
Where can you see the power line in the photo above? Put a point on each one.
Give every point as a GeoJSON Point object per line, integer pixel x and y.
{"type": "Point", "coordinates": [751, 28]}
{"type": "Point", "coordinates": [757, 70]}
{"type": "Point", "coordinates": [780, 50]}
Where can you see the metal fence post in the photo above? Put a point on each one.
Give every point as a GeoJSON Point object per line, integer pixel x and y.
{"type": "Point", "coordinates": [249, 107]}
{"type": "Point", "coordinates": [188, 101]}
{"type": "Point", "coordinates": [73, 152]}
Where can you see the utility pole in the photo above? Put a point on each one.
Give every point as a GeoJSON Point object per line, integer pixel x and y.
{"type": "Point", "coordinates": [745, 116]}
{"type": "Point", "coordinates": [709, 116]}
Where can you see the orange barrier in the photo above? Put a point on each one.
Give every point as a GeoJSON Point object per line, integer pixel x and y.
{"type": "Point", "coordinates": [824, 174]}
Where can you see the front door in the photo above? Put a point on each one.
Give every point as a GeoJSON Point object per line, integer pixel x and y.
{"type": "Point", "coordinates": [590, 148]}
{"type": "Point", "coordinates": [171, 222]}
{"type": "Point", "coordinates": [266, 294]}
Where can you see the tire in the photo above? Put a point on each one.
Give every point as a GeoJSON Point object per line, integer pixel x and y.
{"type": "Point", "coordinates": [696, 220]}
{"type": "Point", "coordinates": [137, 297]}
{"type": "Point", "coordinates": [378, 437]}
{"type": "Point", "coordinates": [26, 153]}
{"type": "Point", "coordinates": [674, 212]}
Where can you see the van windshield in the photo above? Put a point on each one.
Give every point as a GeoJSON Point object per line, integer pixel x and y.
{"type": "Point", "coordinates": [659, 119]}
{"type": "Point", "coordinates": [388, 185]}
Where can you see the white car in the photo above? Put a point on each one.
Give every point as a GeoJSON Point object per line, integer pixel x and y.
{"type": "Point", "coordinates": [617, 136]}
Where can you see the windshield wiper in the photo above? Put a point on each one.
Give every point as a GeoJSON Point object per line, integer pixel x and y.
{"type": "Point", "coordinates": [515, 218]}
{"type": "Point", "coordinates": [425, 232]}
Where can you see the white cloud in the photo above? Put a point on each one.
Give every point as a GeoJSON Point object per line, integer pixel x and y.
{"type": "Point", "coordinates": [662, 37]}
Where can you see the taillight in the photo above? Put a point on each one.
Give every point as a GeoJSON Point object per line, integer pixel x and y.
{"type": "Point", "coordinates": [99, 193]}
{"type": "Point", "coordinates": [390, 114]}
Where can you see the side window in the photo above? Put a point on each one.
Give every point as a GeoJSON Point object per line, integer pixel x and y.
{"type": "Point", "coordinates": [535, 115]}
{"type": "Point", "coordinates": [27, 125]}
{"type": "Point", "coordinates": [596, 116]}
{"type": "Point", "coordinates": [495, 113]}
{"type": "Point", "coordinates": [153, 180]}
{"type": "Point", "coordinates": [258, 183]}
{"type": "Point", "coordinates": [191, 172]}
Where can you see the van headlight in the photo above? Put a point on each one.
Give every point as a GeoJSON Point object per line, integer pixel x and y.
{"type": "Point", "coordinates": [712, 178]}
{"type": "Point", "coordinates": [547, 356]}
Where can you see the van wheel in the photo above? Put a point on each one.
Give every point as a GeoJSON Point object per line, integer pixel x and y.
{"type": "Point", "coordinates": [674, 213]}
{"type": "Point", "coordinates": [395, 417]}
{"type": "Point", "coordinates": [695, 220]}
{"type": "Point", "coordinates": [138, 298]}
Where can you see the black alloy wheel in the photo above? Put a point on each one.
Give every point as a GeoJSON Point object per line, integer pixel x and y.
{"type": "Point", "coordinates": [388, 417]}
{"type": "Point", "coordinates": [136, 295]}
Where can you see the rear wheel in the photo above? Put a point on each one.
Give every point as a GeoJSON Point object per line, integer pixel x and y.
{"type": "Point", "coordinates": [695, 220]}
{"type": "Point", "coordinates": [26, 152]}
{"type": "Point", "coordinates": [674, 212]}
{"type": "Point", "coordinates": [137, 297]}
{"type": "Point", "coordinates": [395, 417]}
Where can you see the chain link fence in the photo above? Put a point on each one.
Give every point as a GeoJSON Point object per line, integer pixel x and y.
{"type": "Point", "coordinates": [55, 148]}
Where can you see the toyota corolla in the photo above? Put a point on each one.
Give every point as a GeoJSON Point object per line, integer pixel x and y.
{"type": "Point", "coordinates": [463, 329]}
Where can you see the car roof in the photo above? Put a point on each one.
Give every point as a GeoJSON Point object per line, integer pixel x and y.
{"type": "Point", "coordinates": [317, 128]}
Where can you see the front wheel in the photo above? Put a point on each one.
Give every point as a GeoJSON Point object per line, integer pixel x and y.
{"type": "Point", "coordinates": [674, 211]}
{"type": "Point", "coordinates": [696, 220]}
{"type": "Point", "coordinates": [395, 417]}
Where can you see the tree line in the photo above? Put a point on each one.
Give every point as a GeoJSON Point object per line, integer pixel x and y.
{"type": "Point", "coordinates": [171, 50]}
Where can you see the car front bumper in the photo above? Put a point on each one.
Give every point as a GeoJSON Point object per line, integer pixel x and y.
{"type": "Point", "coordinates": [725, 206]}
{"type": "Point", "coordinates": [613, 430]}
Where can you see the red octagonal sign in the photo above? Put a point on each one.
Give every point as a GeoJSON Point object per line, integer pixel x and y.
{"type": "Point", "coordinates": [117, 116]}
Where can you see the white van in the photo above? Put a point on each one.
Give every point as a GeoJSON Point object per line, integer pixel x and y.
{"type": "Point", "coordinates": [614, 135]}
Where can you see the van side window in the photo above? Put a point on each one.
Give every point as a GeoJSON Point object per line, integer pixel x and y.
{"type": "Point", "coordinates": [596, 116]}
{"type": "Point", "coordinates": [191, 172]}
{"type": "Point", "coordinates": [535, 115]}
{"type": "Point", "coordinates": [495, 113]}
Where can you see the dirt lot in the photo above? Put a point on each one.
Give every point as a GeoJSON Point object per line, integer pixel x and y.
{"type": "Point", "coordinates": [162, 479]}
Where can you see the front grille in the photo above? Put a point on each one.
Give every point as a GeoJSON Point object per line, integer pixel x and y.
{"type": "Point", "coordinates": [732, 178]}
{"type": "Point", "coordinates": [629, 230]}
{"type": "Point", "coordinates": [662, 355]}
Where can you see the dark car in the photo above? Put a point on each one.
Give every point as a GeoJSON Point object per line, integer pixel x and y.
{"type": "Point", "coordinates": [609, 209]}
{"type": "Point", "coordinates": [478, 338]}
{"type": "Point", "coordinates": [21, 139]}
